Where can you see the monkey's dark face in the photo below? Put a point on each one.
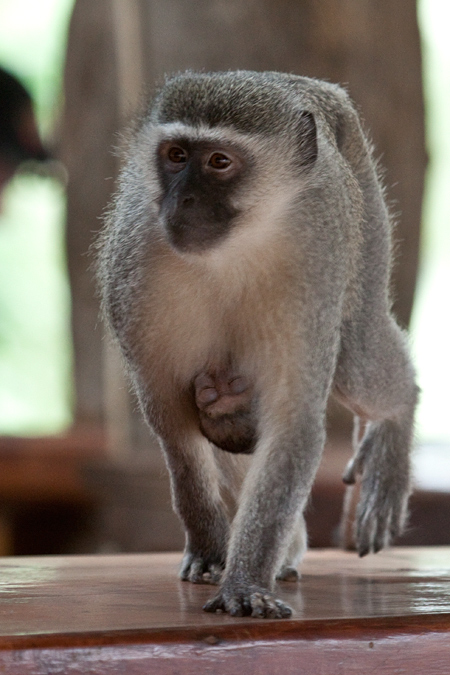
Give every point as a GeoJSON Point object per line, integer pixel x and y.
{"type": "Point", "coordinates": [199, 180]}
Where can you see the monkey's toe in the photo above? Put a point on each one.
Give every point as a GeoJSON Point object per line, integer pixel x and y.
{"type": "Point", "coordinates": [200, 569]}
{"type": "Point", "coordinates": [252, 601]}
{"type": "Point", "coordinates": [288, 573]}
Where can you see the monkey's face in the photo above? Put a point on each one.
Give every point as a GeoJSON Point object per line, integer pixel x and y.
{"type": "Point", "coordinates": [199, 180]}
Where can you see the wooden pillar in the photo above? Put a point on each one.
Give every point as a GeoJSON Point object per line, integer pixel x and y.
{"type": "Point", "coordinates": [89, 124]}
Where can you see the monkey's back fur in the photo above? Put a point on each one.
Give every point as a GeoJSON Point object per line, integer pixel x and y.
{"type": "Point", "coordinates": [245, 269]}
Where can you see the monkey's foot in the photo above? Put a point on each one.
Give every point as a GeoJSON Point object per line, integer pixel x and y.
{"type": "Point", "coordinates": [200, 569]}
{"type": "Point", "coordinates": [224, 402]}
{"type": "Point", "coordinates": [249, 601]}
{"type": "Point", "coordinates": [288, 573]}
{"type": "Point", "coordinates": [385, 486]}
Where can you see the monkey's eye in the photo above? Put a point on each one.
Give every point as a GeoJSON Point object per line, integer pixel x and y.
{"type": "Point", "coordinates": [177, 155]}
{"type": "Point", "coordinates": [219, 161]}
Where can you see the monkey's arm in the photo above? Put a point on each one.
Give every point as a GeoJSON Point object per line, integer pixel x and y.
{"type": "Point", "coordinates": [375, 379]}
{"type": "Point", "coordinates": [275, 494]}
{"type": "Point", "coordinates": [283, 468]}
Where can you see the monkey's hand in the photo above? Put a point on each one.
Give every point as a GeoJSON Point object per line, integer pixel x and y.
{"type": "Point", "coordinates": [381, 512]}
{"type": "Point", "coordinates": [385, 488]}
{"type": "Point", "coordinates": [248, 600]}
{"type": "Point", "coordinates": [201, 569]}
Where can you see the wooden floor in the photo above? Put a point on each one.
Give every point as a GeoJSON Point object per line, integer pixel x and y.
{"type": "Point", "coordinates": [129, 614]}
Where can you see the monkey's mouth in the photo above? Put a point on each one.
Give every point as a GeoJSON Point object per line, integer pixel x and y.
{"type": "Point", "coordinates": [195, 235]}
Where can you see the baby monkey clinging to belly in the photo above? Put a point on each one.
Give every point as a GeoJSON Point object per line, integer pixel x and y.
{"type": "Point", "coordinates": [244, 269]}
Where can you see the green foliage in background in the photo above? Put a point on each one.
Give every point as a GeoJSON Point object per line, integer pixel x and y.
{"type": "Point", "coordinates": [431, 320]}
{"type": "Point", "coordinates": [35, 346]}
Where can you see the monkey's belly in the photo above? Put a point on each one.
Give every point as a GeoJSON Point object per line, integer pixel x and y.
{"type": "Point", "coordinates": [226, 409]}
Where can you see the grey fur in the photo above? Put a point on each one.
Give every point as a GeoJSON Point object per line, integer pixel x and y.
{"type": "Point", "coordinates": [291, 293]}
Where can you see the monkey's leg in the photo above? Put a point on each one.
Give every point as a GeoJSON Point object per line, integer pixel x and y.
{"type": "Point", "coordinates": [375, 379]}
{"type": "Point", "coordinates": [295, 553]}
{"type": "Point", "coordinates": [195, 485]}
{"type": "Point", "coordinates": [196, 499]}
{"type": "Point", "coordinates": [273, 497]}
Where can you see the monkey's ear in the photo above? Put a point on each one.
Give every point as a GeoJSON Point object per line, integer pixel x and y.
{"type": "Point", "coordinates": [307, 136]}
{"type": "Point", "coordinates": [340, 131]}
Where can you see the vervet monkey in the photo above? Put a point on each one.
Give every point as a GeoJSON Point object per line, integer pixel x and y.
{"type": "Point", "coordinates": [245, 269]}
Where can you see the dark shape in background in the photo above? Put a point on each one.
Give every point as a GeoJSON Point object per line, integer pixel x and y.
{"type": "Point", "coordinates": [19, 136]}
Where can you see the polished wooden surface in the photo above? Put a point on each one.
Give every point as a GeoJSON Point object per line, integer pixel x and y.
{"type": "Point", "coordinates": [130, 614]}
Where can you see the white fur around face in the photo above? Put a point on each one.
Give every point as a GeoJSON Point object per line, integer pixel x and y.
{"type": "Point", "coordinates": [202, 309]}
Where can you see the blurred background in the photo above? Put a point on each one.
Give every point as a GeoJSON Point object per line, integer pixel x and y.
{"type": "Point", "coordinates": [79, 471]}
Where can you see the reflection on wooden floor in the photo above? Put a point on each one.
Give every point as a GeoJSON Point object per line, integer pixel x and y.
{"type": "Point", "coordinates": [131, 614]}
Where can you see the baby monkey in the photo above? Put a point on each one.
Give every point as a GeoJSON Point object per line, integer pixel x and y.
{"type": "Point", "coordinates": [244, 269]}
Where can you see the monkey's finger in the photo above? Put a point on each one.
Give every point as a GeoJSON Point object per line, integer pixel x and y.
{"type": "Point", "coordinates": [215, 572]}
{"type": "Point", "coordinates": [235, 606]}
{"type": "Point", "coordinates": [284, 611]}
{"type": "Point", "coordinates": [349, 475]}
{"type": "Point", "coordinates": [354, 468]}
{"type": "Point", "coordinates": [267, 607]}
{"type": "Point", "coordinates": [382, 536]}
{"type": "Point", "coordinates": [399, 514]}
{"type": "Point", "coordinates": [216, 604]}
{"type": "Point", "coordinates": [239, 606]}
{"type": "Point", "coordinates": [196, 572]}
{"type": "Point", "coordinates": [288, 574]}
{"type": "Point", "coordinates": [366, 525]}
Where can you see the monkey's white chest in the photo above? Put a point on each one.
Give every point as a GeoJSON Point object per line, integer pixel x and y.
{"type": "Point", "coordinates": [206, 313]}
